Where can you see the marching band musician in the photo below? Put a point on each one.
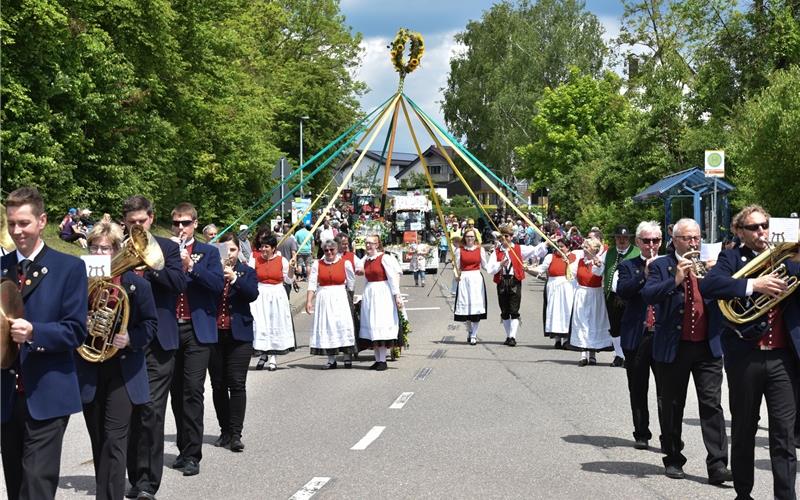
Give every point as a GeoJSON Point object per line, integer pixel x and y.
{"type": "Point", "coordinates": [637, 326]}
{"type": "Point", "coordinates": [197, 330]}
{"type": "Point", "coordinates": [761, 357]}
{"type": "Point", "coordinates": [506, 263]}
{"type": "Point", "coordinates": [230, 356]}
{"type": "Point", "coordinates": [146, 439]}
{"type": "Point", "coordinates": [685, 344]}
{"type": "Point", "coordinates": [111, 388]}
{"type": "Point", "coordinates": [470, 305]}
{"type": "Point", "coordinates": [621, 251]}
{"type": "Point", "coordinates": [40, 391]}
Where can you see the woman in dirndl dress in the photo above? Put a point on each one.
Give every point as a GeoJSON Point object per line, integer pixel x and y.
{"type": "Point", "coordinates": [590, 328]}
{"type": "Point", "coordinates": [273, 331]}
{"type": "Point", "coordinates": [381, 301]}
{"type": "Point", "coordinates": [471, 290]}
{"type": "Point", "coordinates": [559, 293]}
{"type": "Point", "coordinates": [332, 332]}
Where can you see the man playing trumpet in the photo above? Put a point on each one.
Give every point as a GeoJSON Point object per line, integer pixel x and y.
{"type": "Point", "coordinates": [761, 356]}
{"type": "Point", "coordinates": [684, 343]}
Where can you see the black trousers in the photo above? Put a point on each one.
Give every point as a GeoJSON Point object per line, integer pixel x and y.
{"type": "Point", "coordinates": [510, 300]}
{"type": "Point", "coordinates": [107, 419]}
{"type": "Point", "coordinates": [230, 360]}
{"type": "Point", "coordinates": [191, 364]}
{"type": "Point", "coordinates": [146, 437]}
{"type": "Point", "coordinates": [615, 308]}
{"type": "Point", "coordinates": [695, 359]}
{"type": "Point", "coordinates": [638, 365]}
{"type": "Point", "coordinates": [774, 375]}
{"type": "Point", "coordinates": [31, 453]}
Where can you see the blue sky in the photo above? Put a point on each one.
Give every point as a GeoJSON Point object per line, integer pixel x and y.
{"type": "Point", "coordinates": [438, 21]}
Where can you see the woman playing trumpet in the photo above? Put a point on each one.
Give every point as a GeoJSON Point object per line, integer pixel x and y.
{"type": "Point", "coordinates": [110, 389]}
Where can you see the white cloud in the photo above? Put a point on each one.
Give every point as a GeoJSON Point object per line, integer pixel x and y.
{"type": "Point", "coordinates": [424, 85]}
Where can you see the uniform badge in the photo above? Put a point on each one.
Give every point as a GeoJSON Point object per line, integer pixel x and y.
{"type": "Point", "coordinates": [5, 271]}
{"type": "Point", "coordinates": [36, 274]}
{"type": "Point", "coordinates": [133, 288]}
{"type": "Point", "coordinates": [744, 259]}
{"type": "Point", "coordinates": [196, 257]}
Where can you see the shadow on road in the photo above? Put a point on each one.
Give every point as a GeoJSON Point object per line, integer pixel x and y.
{"type": "Point", "coordinates": [604, 442]}
{"type": "Point", "coordinates": [78, 484]}
{"type": "Point", "coordinates": [633, 469]}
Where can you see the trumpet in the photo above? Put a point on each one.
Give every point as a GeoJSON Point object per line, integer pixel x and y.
{"type": "Point", "coordinates": [770, 262]}
{"type": "Point", "coordinates": [699, 267]}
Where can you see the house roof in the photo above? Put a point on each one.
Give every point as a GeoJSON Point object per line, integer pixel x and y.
{"type": "Point", "coordinates": [693, 178]}
{"type": "Point", "coordinates": [398, 158]}
{"type": "Point", "coordinates": [431, 151]}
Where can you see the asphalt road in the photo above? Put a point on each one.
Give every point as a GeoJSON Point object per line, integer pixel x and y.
{"type": "Point", "coordinates": [488, 421]}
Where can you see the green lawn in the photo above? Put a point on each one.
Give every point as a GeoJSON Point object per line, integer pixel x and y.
{"type": "Point", "coordinates": [52, 240]}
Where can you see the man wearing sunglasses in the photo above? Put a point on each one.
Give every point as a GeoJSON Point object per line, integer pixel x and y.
{"type": "Point", "coordinates": [197, 330]}
{"type": "Point", "coordinates": [637, 327]}
{"type": "Point", "coordinates": [761, 357]}
{"type": "Point", "coordinates": [684, 343]}
{"type": "Point", "coordinates": [145, 459]}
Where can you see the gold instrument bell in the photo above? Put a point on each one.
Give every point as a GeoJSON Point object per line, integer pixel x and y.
{"type": "Point", "coordinates": [5, 239]}
{"type": "Point", "coordinates": [11, 307]}
{"type": "Point", "coordinates": [772, 261]}
{"type": "Point", "coordinates": [109, 308]}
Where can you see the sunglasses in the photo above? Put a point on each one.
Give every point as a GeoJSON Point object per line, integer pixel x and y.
{"type": "Point", "coordinates": [184, 223]}
{"type": "Point", "coordinates": [330, 250]}
{"type": "Point", "coordinates": [756, 227]}
{"type": "Point", "coordinates": [650, 241]}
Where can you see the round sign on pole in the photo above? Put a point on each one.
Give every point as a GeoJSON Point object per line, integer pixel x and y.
{"type": "Point", "coordinates": [715, 163]}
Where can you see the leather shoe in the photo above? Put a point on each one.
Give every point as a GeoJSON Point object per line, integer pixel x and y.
{"type": "Point", "coordinates": [348, 364]}
{"type": "Point", "coordinates": [674, 472]}
{"type": "Point", "coordinates": [507, 340]}
{"type": "Point", "coordinates": [145, 495]}
{"type": "Point", "coordinates": [618, 361]}
{"type": "Point", "coordinates": [473, 341]}
{"type": "Point", "coordinates": [223, 441]}
{"type": "Point", "coordinates": [512, 342]}
{"type": "Point", "coordinates": [557, 345]}
{"type": "Point", "coordinates": [192, 468]}
{"type": "Point", "coordinates": [374, 366]}
{"type": "Point", "coordinates": [236, 444]}
{"type": "Point", "coordinates": [179, 463]}
{"type": "Point", "coordinates": [592, 361]}
{"type": "Point", "coordinates": [132, 492]}
{"type": "Point", "coordinates": [329, 366]}
{"type": "Point", "coordinates": [719, 476]}
{"type": "Point", "coordinates": [381, 366]}
{"type": "Point", "coordinates": [261, 363]}
{"type": "Point", "coordinates": [640, 444]}
{"type": "Point", "coordinates": [583, 362]}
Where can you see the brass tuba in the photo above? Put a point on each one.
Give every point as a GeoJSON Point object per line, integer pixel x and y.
{"type": "Point", "coordinates": [109, 308]}
{"type": "Point", "coordinates": [772, 261]}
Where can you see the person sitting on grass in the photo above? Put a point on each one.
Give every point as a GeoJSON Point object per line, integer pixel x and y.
{"type": "Point", "coordinates": [69, 229]}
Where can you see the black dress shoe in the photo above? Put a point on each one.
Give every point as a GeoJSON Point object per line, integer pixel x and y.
{"type": "Point", "coordinates": [640, 444]}
{"type": "Point", "coordinates": [179, 463]}
{"type": "Point", "coordinates": [329, 366]}
{"type": "Point", "coordinates": [348, 364]}
{"type": "Point", "coordinates": [583, 362]}
{"type": "Point", "coordinates": [145, 495]}
{"type": "Point", "coordinates": [507, 340]}
{"type": "Point", "coordinates": [236, 444]}
{"type": "Point", "coordinates": [261, 363]}
{"type": "Point", "coordinates": [381, 366]}
{"type": "Point", "coordinates": [512, 342]}
{"type": "Point", "coordinates": [674, 472]}
{"type": "Point", "coordinates": [618, 361]}
{"type": "Point", "coordinates": [719, 476]}
{"type": "Point", "coordinates": [132, 492]}
{"type": "Point", "coordinates": [374, 366]}
{"type": "Point", "coordinates": [592, 361]}
{"type": "Point", "coordinates": [223, 441]}
{"type": "Point", "coordinates": [557, 345]}
{"type": "Point", "coordinates": [192, 468]}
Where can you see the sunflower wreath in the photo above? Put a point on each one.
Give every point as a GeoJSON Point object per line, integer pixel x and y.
{"type": "Point", "coordinates": [398, 47]}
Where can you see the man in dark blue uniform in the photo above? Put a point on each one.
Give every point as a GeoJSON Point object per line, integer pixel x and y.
{"type": "Point", "coordinates": [761, 356]}
{"type": "Point", "coordinates": [146, 440]}
{"type": "Point", "coordinates": [40, 391]}
{"type": "Point", "coordinates": [637, 326]}
{"type": "Point", "coordinates": [685, 344]}
{"type": "Point", "coordinates": [196, 312]}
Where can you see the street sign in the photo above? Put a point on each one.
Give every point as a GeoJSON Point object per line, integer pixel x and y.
{"type": "Point", "coordinates": [715, 163]}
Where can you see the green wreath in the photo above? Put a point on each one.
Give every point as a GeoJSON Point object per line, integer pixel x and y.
{"type": "Point", "coordinates": [398, 48]}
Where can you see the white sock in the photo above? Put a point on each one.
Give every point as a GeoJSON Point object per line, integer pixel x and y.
{"type": "Point", "coordinates": [584, 354]}
{"type": "Point", "coordinates": [273, 359]}
{"type": "Point", "coordinates": [617, 343]}
{"type": "Point", "coordinates": [380, 354]}
{"type": "Point", "coordinates": [507, 327]}
{"type": "Point", "coordinates": [331, 359]}
{"type": "Point", "coordinates": [474, 331]}
{"type": "Point", "coordinates": [513, 325]}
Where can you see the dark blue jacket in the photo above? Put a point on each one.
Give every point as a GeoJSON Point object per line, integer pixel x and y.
{"type": "Point", "coordinates": [630, 280]}
{"type": "Point", "coordinates": [142, 326]}
{"type": "Point", "coordinates": [204, 285]}
{"type": "Point", "coordinates": [660, 290]}
{"type": "Point", "coordinates": [56, 301]}
{"type": "Point", "coordinates": [243, 291]}
{"type": "Point", "coordinates": [719, 284]}
{"type": "Point", "coordinates": [167, 284]}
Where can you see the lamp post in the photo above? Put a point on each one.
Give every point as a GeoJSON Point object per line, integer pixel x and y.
{"type": "Point", "coordinates": [304, 117]}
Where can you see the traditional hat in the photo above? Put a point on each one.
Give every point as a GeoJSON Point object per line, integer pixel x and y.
{"type": "Point", "coordinates": [621, 230]}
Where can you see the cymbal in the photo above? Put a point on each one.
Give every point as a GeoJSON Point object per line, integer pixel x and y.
{"type": "Point", "coordinates": [11, 307]}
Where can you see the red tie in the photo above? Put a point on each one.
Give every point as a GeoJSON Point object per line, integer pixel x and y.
{"type": "Point", "coordinates": [650, 322]}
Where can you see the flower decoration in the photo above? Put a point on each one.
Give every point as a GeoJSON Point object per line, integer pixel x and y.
{"type": "Point", "coordinates": [398, 48]}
